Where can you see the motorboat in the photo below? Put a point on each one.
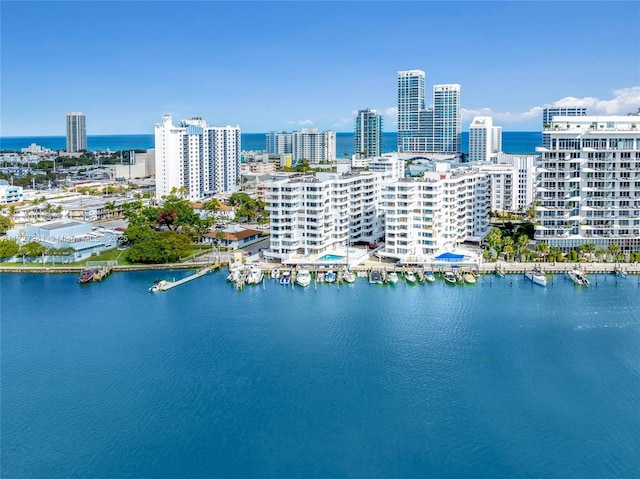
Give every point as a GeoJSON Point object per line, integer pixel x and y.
{"type": "Point", "coordinates": [469, 278]}
{"type": "Point", "coordinates": [330, 277]}
{"type": "Point", "coordinates": [375, 277]}
{"type": "Point", "coordinates": [87, 274]}
{"type": "Point", "coordinates": [349, 276]}
{"type": "Point", "coordinates": [430, 277]}
{"type": "Point", "coordinates": [449, 277]}
{"type": "Point", "coordinates": [285, 278]}
{"type": "Point", "coordinates": [275, 273]}
{"type": "Point", "coordinates": [536, 277]}
{"type": "Point", "coordinates": [410, 277]}
{"type": "Point", "coordinates": [303, 277]}
{"type": "Point", "coordinates": [420, 275]}
{"type": "Point", "coordinates": [255, 275]}
{"type": "Point", "coordinates": [157, 285]}
{"type": "Point", "coordinates": [392, 277]}
{"type": "Point", "coordinates": [578, 277]}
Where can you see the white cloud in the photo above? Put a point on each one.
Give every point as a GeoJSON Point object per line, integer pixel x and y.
{"type": "Point", "coordinates": [625, 100]}
{"type": "Point", "coordinates": [302, 122]}
{"type": "Point", "coordinates": [391, 111]}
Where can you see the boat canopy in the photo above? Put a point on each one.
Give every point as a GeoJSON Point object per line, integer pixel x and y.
{"type": "Point", "coordinates": [450, 257]}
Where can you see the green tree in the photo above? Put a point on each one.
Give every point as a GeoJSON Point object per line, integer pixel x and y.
{"type": "Point", "coordinates": [5, 223]}
{"type": "Point", "coordinates": [8, 248]}
{"type": "Point", "coordinates": [32, 250]}
{"type": "Point", "coordinates": [542, 248]}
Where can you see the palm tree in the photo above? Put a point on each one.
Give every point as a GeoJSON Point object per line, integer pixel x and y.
{"type": "Point", "coordinates": [542, 248]}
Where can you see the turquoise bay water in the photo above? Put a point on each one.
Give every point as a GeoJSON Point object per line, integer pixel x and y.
{"type": "Point", "coordinates": [513, 142]}
{"type": "Point", "coordinates": [499, 379]}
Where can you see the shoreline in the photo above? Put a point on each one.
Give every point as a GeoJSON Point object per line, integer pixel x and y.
{"type": "Point", "coordinates": [483, 268]}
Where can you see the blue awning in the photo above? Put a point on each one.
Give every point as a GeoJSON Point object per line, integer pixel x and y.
{"type": "Point", "coordinates": [450, 257]}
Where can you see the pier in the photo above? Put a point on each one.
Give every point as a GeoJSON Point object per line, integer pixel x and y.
{"type": "Point", "coordinates": [167, 285]}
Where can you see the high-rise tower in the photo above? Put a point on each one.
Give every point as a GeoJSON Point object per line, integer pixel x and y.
{"type": "Point", "coordinates": [447, 118]}
{"type": "Point", "coordinates": [412, 135]}
{"type": "Point", "coordinates": [202, 159]}
{"type": "Point", "coordinates": [548, 114]}
{"type": "Point", "coordinates": [368, 133]}
{"type": "Point", "coordinates": [76, 132]}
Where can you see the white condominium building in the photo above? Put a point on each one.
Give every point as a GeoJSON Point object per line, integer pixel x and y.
{"type": "Point", "coordinates": [512, 180]}
{"type": "Point", "coordinates": [485, 139]}
{"type": "Point", "coordinates": [203, 159]}
{"type": "Point", "coordinates": [589, 183]}
{"type": "Point", "coordinates": [435, 213]}
{"type": "Point", "coordinates": [550, 112]}
{"type": "Point", "coordinates": [313, 146]}
{"type": "Point", "coordinates": [311, 214]}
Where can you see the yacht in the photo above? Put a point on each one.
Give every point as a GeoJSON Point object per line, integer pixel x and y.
{"type": "Point", "coordinates": [392, 277]}
{"type": "Point", "coordinates": [430, 277]}
{"type": "Point", "coordinates": [410, 277]}
{"type": "Point", "coordinates": [578, 277]}
{"type": "Point", "coordinates": [255, 275]}
{"type": "Point", "coordinates": [536, 277]}
{"type": "Point", "coordinates": [303, 277]}
{"type": "Point", "coordinates": [330, 277]}
{"type": "Point", "coordinates": [285, 278]}
{"type": "Point", "coordinates": [349, 276]}
{"type": "Point", "coordinates": [449, 277]}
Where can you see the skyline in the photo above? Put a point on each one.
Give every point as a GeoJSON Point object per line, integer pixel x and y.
{"type": "Point", "coordinates": [284, 66]}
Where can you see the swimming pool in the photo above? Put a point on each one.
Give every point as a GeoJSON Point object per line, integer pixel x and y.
{"type": "Point", "coordinates": [331, 257]}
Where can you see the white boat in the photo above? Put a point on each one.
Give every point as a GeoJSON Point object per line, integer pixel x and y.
{"type": "Point", "coordinates": [392, 277]}
{"type": "Point", "coordinates": [410, 277]}
{"type": "Point", "coordinates": [255, 275]}
{"type": "Point", "coordinates": [157, 286]}
{"type": "Point", "coordinates": [275, 273]}
{"type": "Point", "coordinates": [578, 277]}
{"type": "Point", "coordinates": [420, 275]}
{"type": "Point", "coordinates": [449, 277]}
{"type": "Point", "coordinates": [430, 277]}
{"type": "Point", "coordinates": [330, 277]}
{"type": "Point", "coordinates": [536, 277]}
{"type": "Point", "coordinates": [303, 277]}
{"type": "Point", "coordinates": [285, 278]}
{"type": "Point", "coordinates": [349, 276]}
{"type": "Point", "coordinates": [469, 278]}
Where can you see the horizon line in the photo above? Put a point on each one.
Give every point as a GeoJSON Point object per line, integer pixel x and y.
{"type": "Point", "coordinates": [241, 132]}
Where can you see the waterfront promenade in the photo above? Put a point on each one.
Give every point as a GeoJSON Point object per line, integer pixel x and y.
{"type": "Point", "coordinates": [369, 265]}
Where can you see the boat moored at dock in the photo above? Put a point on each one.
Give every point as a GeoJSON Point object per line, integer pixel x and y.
{"type": "Point", "coordinates": [578, 277]}
{"type": "Point", "coordinates": [536, 277]}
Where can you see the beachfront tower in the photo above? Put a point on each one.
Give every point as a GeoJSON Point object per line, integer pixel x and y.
{"type": "Point", "coordinates": [447, 118]}
{"type": "Point", "coordinates": [368, 134]}
{"type": "Point", "coordinates": [412, 132]}
{"type": "Point", "coordinates": [76, 132]}
{"type": "Point", "coordinates": [485, 139]}
{"type": "Point", "coordinates": [548, 114]}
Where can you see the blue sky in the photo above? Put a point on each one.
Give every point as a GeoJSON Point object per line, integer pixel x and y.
{"type": "Point", "coordinates": [289, 65]}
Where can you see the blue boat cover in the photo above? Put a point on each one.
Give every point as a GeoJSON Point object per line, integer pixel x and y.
{"type": "Point", "coordinates": [450, 257]}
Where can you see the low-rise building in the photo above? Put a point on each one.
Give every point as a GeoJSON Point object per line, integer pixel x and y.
{"type": "Point", "coordinates": [85, 240]}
